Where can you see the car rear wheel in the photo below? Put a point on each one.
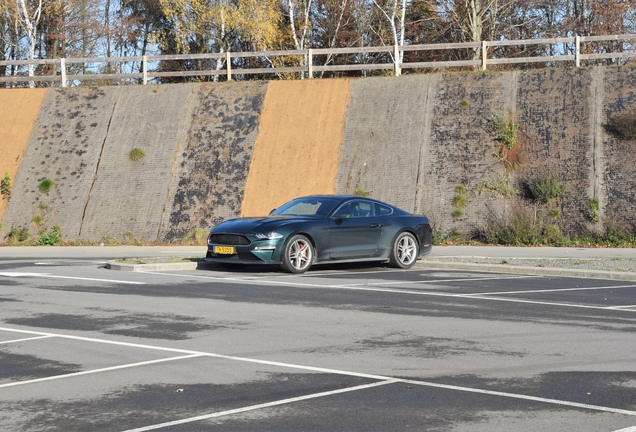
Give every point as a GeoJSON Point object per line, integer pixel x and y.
{"type": "Point", "coordinates": [404, 252]}
{"type": "Point", "coordinates": [298, 254]}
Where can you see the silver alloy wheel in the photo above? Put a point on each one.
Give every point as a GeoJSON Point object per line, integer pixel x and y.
{"type": "Point", "coordinates": [300, 254]}
{"type": "Point", "coordinates": [404, 252]}
{"type": "Point", "coordinates": [407, 250]}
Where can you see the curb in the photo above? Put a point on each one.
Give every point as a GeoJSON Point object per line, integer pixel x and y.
{"type": "Point", "coordinates": [152, 267]}
{"type": "Point", "coordinates": [533, 271]}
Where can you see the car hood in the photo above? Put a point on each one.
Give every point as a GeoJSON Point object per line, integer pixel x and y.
{"type": "Point", "coordinates": [248, 225]}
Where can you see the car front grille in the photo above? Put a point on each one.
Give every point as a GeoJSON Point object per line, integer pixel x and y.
{"type": "Point", "coordinates": [229, 239]}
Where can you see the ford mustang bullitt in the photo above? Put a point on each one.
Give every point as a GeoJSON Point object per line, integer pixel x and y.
{"type": "Point", "coordinates": [322, 229]}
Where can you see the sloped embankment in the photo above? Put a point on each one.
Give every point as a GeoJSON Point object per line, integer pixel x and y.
{"type": "Point", "coordinates": [64, 147]}
{"type": "Point", "coordinates": [20, 108]}
{"type": "Point", "coordinates": [298, 145]}
{"type": "Point", "coordinates": [213, 166]}
{"type": "Point", "coordinates": [128, 197]}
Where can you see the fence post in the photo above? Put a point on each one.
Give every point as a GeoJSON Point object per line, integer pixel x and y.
{"type": "Point", "coordinates": [484, 55]}
{"type": "Point", "coordinates": [577, 50]}
{"type": "Point", "coordinates": [396, 57]}
{"type": "Point", "coordinates": [228, 65]}
{"type": "Point", "coordinates": [144, 69]}
{"type": "Point", "coordinates": [310, 63]}
{"type": "Point", "coordinates": [63, 71]}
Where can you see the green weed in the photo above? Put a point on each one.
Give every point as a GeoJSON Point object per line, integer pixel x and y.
{"type": "Point", "coordinates": [136, 154]}
{"type": "Point", "coordinates": [505, 129]}
{"type": "Point", "coordinates": [5, 187]}
{"type": "Point", "coordinates": [593, 208]}
{"type": "Point", "coordinates": [498, 186]}
{"type": "Point", "coordinates": [546, 188]}
{"type": "Point", "coordinates": [46, 185]}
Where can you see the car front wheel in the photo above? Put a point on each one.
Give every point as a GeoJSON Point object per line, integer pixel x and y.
{"type": "Point", "coordinates": [298, 254]}
{"type": "Point", "coordinates": [404, 251]}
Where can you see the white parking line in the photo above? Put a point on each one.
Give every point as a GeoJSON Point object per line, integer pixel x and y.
{"type": "Point", "coordinates": [48, 275]}
{"type": "Point", "coordinates": [629, 429]}
{"type": "Point", "coordinates": [555, 290]}
{"type": "Point", "coordinates": [382, 378]}
{"type": "Point", "coordinates": [260, 406]}
{"type": "Point", "coordinates": [25, 339]}
{"type": "Point", "coordinates": [438, 281]}
{"type": "Point", "coordinates": [478, 296]}
{"type": "Point", "coordinates": [94, 371]}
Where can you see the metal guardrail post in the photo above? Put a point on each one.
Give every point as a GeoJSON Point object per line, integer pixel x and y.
{"type": "Point", "coordinates": [310, 63]}
{"type": "Point", "coordinates": [396, 58]}
{"type": "Point", "coordinates": [144, 69]}
{"type": "Point", "coordinates": [577, 51]}
{"type": "Point", "coordinates": [63, 71]}
{"type": "Point", "coordinates": [484, 55]}
{"type": "Point", "coordinates": [228, 65]}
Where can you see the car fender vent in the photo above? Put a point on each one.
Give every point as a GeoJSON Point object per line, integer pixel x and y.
{"type": "Point", "coordinates": [229, 239]}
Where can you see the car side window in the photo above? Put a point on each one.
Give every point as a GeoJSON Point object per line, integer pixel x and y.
{"type": "Point", "coordinates": [382, 210]}
{"type": "Point", "coordinates": [356, 209]}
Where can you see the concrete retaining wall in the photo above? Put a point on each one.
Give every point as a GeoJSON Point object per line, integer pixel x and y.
{"type": "Point", "coordinates": [65, 147]}
{"type": "Point", "coordinates": [212, 168]}
{"type": "Point", "coordinates": [128, 197]}
{"type": "Point", "coordinates": [215, 151]}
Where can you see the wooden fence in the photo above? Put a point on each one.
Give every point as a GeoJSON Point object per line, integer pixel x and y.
{"type": "Point", "coordinates": [60, 70]}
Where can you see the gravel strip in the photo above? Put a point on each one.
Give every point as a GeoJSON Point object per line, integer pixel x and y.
{"type": "Point", "coordinates": [603, 264]}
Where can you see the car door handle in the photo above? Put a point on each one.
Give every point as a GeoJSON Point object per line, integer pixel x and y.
{"type": "Point", "coordinates": [376, 225]}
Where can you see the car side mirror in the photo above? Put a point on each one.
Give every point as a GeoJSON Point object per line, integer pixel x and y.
{"type": "Point", "coordinates": [343, 215]}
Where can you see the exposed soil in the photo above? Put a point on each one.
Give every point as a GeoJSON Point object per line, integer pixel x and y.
{"type": "Point", "coordinates": [298, 145]}
{"type": "Point", "coordinates": [21, 108]}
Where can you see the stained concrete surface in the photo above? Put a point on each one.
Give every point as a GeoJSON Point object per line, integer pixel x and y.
{"type": "Point", "coordinates": [128, 197]}
{"type": "Point", "coordinates": [211, 170]}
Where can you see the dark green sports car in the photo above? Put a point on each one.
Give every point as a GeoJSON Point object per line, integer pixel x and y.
{"type": "Point", "coordinates": [322, 229]}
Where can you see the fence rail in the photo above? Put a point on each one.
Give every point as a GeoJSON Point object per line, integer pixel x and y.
{"type": "Point", "coordinates": [571, 51]}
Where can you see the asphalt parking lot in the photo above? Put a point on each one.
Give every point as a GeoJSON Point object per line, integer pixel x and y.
{"type": "Point", "coordinates": [339, 348]}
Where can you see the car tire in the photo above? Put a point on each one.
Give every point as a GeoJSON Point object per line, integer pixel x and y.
{"type": "Point", "coordinates": [404, 252]}
{"type": "Point", "coordinates": [298, 254]}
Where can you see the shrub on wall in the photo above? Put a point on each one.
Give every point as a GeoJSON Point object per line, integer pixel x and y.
{"type": "Point", "coordinates": [5, 187]}
{"type": "Point", "coordinates": [46, 185]}
{"type": "Point", "coordinates": [546, 188]}
{"type": "Point", "coordinates": [623, 125]}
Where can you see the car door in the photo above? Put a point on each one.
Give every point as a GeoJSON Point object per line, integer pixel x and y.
{"type": "Point", "coordinates": [354, 231]}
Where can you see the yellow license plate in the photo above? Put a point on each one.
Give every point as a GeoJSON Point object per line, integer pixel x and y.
{"type": "Point", "coordinates": [225, 250]}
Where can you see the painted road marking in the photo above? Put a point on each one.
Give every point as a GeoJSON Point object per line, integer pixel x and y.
{"type": "Point", "coordinates": [25, 339]}
{"type": "Point", "coordinates": [629, 429]}
{"type": "Point", "coordinates": [191, 353]}
{"type": "Point", "coordinates": [478, 296]}
{"type": "Point", "coordinates": [555, 290]}
{"type": "Point", "coordinates": [48, 275]}
{"type": "Point", "coordinates": [94, 371]}
{"type": "Point", "coordinates": [261, 406]}
{"type": "Point", "coordinates": [438, 281]}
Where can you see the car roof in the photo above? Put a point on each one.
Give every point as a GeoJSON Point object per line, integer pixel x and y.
{"type": "Point", "coordinates": [347, 197]}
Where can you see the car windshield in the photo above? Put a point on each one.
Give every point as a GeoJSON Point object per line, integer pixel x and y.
{"type": "Point", "coordinates": [315, 206]}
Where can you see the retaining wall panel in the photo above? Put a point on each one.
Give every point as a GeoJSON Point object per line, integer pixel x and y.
{"type": "Point", "coordinates": [555, 111]}
{"type": "Point", "coordinates": [461, 144]}
{"type": "Point", "coordinates": [65, 147]}
{"type": "Point", "coordinates": [298, 144]}
{"type": "Point", "coordinates": [383, 136]}
{"type": "Point", "coordinates": [619, 156]}
{"type": "Point", "coordinates": [213, 165]}
{"type": "Point", "coordinates": [128, 197]}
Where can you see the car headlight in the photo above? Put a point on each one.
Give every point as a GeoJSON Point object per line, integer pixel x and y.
{"type": "Point", "coordinates": [269, 236]}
